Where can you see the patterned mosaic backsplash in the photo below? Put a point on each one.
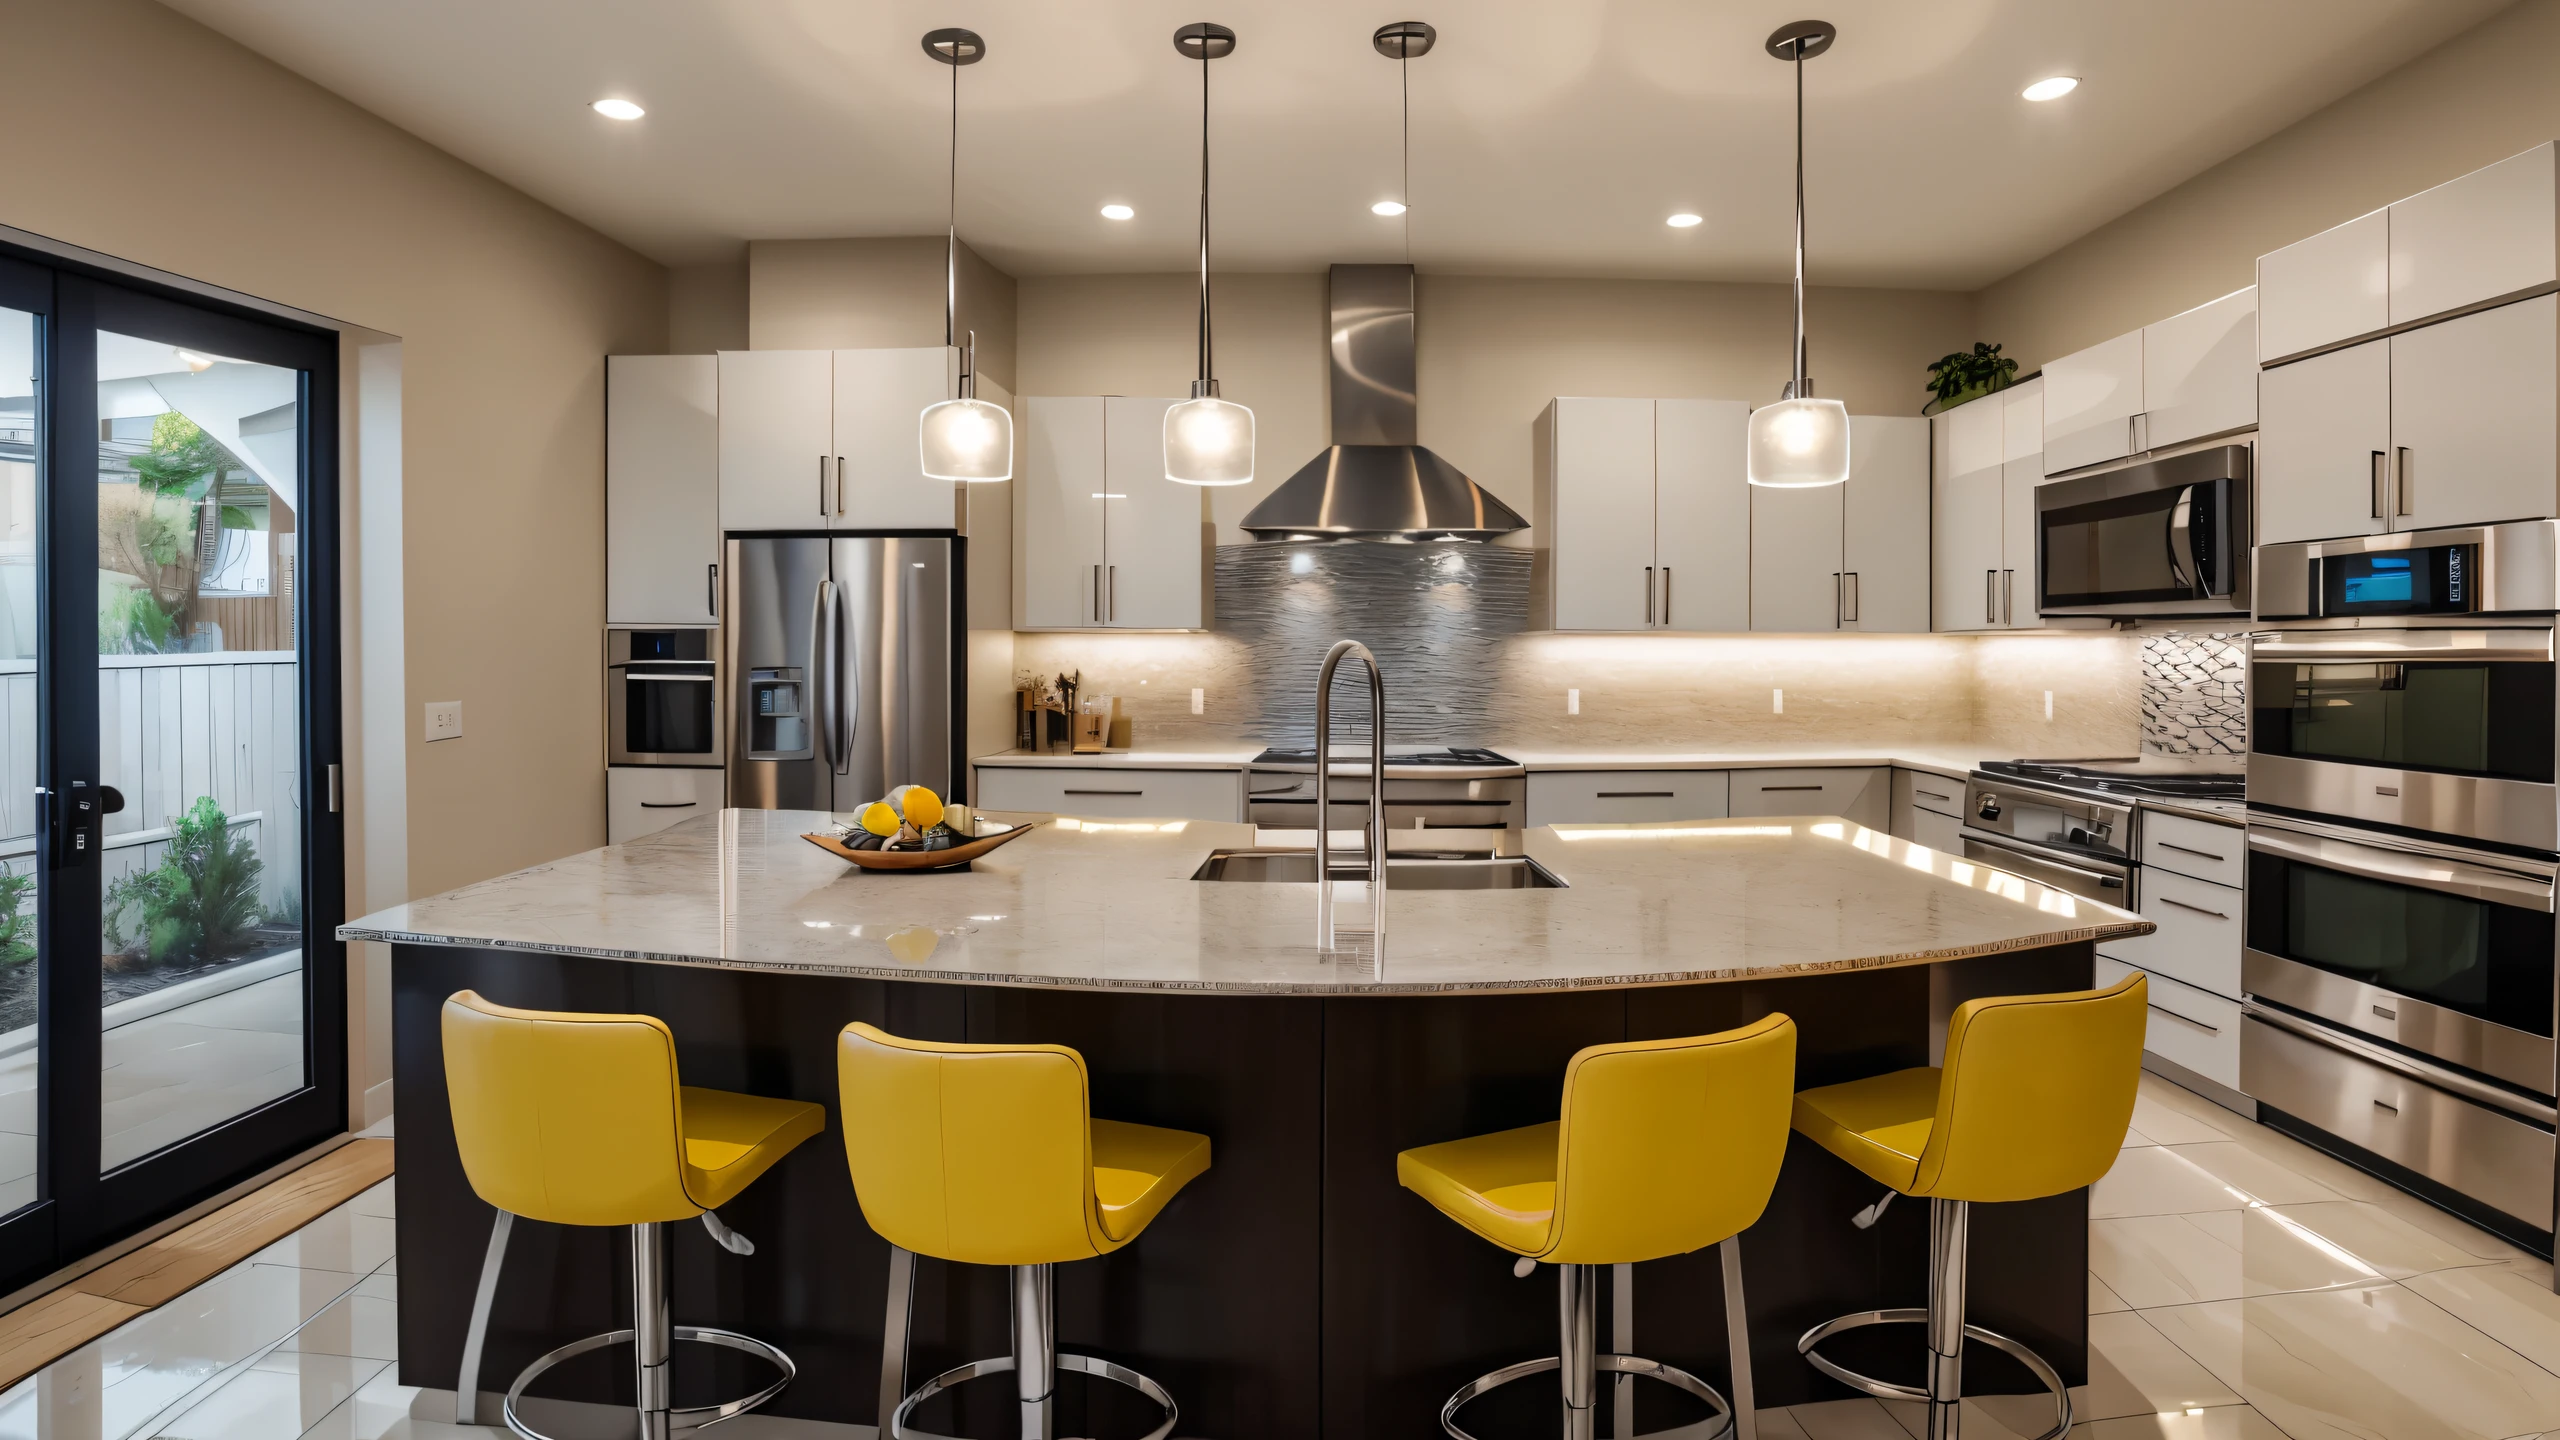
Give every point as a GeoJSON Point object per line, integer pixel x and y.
{"type": "Point", "coordinates": [2194, 695]}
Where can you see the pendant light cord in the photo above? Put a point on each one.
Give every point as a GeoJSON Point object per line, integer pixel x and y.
{"type": "Point", "coordinates": [1404, 188]}
{"type": "Point", "coordinates": [951, 249]}
{"type": "Point", "coordinates": [1207, 380]}
{"type": "Point", "coordinates": [1798, 387]}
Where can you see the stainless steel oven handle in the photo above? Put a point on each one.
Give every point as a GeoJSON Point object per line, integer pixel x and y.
{"type": "Point", "coordinates": [2408, 1067]}
{"type": "Point", "coordinates": [2182, 541]}
{"type": "Point", "coordinates": [2422, 872]}
{"type": "Point", "coordinates": [2104, 878]}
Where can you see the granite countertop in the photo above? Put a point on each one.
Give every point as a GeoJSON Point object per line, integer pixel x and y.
{"type": "Point", "coordinates": [1110, 905]}
{"type": "Point", "coordinates": [1952, 764]}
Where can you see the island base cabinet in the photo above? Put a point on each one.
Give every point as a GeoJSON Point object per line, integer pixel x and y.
{"type": "Point", "coordinates": [1293, 1290]}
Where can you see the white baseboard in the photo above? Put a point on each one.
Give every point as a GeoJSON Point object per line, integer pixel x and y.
{"type": "Point", "coordinates": [376, 1106]}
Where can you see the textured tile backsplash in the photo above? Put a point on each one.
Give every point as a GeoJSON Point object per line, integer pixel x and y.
{"type": "Point", "coordinates": [2194, 695]}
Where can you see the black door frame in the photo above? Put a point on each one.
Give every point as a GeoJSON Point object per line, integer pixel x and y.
{"type": "Point", "coordinates": [80, 1209]}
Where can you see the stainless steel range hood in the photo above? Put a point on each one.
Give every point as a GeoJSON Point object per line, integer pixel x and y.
{"type": "Point", "coordinates": [1375, 483]}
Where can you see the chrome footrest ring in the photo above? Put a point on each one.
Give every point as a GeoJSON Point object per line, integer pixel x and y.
{"type": "Point", "coordinates": [687, 1417]}
{"type": "Point", "coordinates": [1606, 1364]}
{"type": "Point", "coordinates": [1003, 1365]}
{"type": "Point", "coordinates": [1885, 1390]}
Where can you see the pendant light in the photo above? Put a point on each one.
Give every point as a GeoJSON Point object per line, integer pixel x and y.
{"type": "Point", "coordinates": [1799, 441]}
{"type": "Point", "coordinates": [966, 439]}
{"type": "Point", "coordinates": [1207, 441]}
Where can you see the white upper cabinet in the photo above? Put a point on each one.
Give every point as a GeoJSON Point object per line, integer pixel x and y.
{"type": "Point", "coordinates": [2090, 400]}
{"type": "Point", "coordinates": [2332, 287]}
{"type": "Point", "coordinates": [2021, 470]}
{"type": "Point", "coordinates": [1798, 581]}
{"type": "Point", "coordinates": [2324, 445]}
{"type": "Point", "coordinates": [2487, 234]}
{"type": "Point", "coordinates": [777, 439]}
{"type": "Point", "coordinates": [1702, 514]}
{"type": "Point", "coordinates": [1101, 539]}
{"type": "Point", "coordinates": [2200, 371]}
{"type": "Point", "coordinates": [879, 395]}
{"type": "Point", "coordinates": [1983, 506]}
{"type": "Point", "coordinates": [661, 489]}
{"type": "Point", "coordinates": [1058, 485]}
{"type": "Point", "coordinates": [1156, 541]}
{"type": "Point", "coordinates": [2475, 417]}
{"type": "Point", "coordinates": [1884, 534]}
{"type": "Point", "coordinates": [1597, 520]}
{"type": "Point", "coordinates": [1965, 540]}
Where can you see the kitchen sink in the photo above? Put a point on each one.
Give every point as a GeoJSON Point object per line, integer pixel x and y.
{"type": "Point", "coordinates": [1404, 872]}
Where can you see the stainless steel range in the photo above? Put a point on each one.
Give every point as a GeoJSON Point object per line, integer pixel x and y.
{"type": "Point", "coordinates": [1456, 788]}
{"type": "Point", "coordinates": [2070, 823]}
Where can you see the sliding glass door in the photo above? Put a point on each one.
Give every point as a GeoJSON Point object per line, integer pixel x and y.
{"type": "Point", "coordinates": [172, 1004]}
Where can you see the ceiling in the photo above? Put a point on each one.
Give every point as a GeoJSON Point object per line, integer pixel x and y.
{"type": "Point", "coordinates": [1548, 138]}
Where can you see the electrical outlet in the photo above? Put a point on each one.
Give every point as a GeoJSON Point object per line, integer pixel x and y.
{"type": "Point", "coordinates": [1199, 702]}
{"type": "Point", "coordinates": [1573, 702]}
{"type": "Point", "coordinates": [1777, 702]}
{"type": "Point", "coordinates": [444, 720]}
{"type": "Point", "coordinates": [2048, 704]}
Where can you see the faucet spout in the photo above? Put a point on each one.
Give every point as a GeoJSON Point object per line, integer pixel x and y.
{"type": "Point", "coordinates": [1377, 797]}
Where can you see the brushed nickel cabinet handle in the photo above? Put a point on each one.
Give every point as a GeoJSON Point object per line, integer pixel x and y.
{"type": "Point", "coordinates": [2198, 909]}
{"type": "Point", "coordinates": [2400, 480]}
{"type": "Point", "coordinates": [2199, 854]}
{"type": "Point", "coordinates": [839, 484]}
{"type": "Point", "coordinates": [2380, 462]}
{"type": "Point", "coordinates": [1666, 595]}
{"type": "Point", "coordinates": [1648, 594]}
{"type": "Point", "coordinates": [1635, 794]}
{"type": "Point", "coordinates": [1774, 789]}
{"type": "Point", "coordinates": [822, 486]}
{"type": "Point", "coordinates": [2183, 1020]}
{"type": "Point", "coordinates": [1990, 597]}
{"type": "Point", "coordinates": [1102, 792]}
{"type": "Point", "coordinates": [667, 804]}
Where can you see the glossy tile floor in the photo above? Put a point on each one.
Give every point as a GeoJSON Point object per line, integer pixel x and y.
{"type": "Point", "coordinates": [2241, 1287]}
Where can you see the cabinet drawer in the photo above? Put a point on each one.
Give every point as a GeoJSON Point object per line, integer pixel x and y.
{"type": "Point", "coordinates": [2193, 847]}
{"type": "Point", "coordinates": [2480, 1151]}
{"type": "Point", "coordinates": [1929, 792]}
{"type": "Point", "coordinates": [645, 799]}
{"type": "Point", "coordinates": [2187, 1026]}
{"type": "Point", "coordinates": [1859, 794]}
{"type": "Point", "coordinates": [1560, 797]}
{"type": "Point", "coordinates": [1113, 793]}
{"type": "Point", "coordinates": [2199, 936]}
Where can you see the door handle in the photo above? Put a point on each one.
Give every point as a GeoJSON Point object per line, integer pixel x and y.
{"type": "Point", "coordinates": [1635, 794]}
{"type": "Point", "coordinates": [1111, 587]}
{"type": "Point", "coordinates": [848, 680]}
{"type": "Point", "coordinates": [1666, 595]}
{"type": "Point", "coordinates": [1839, 599]}
{"type": "Point", "coordinates": [2197, 909]}
{"type": "Point", "coordinates": [2008, 597]}
{"type": "Point", "coordinates": [711, 590]}
{"type": "Point", "coordinates": [1990, 597]}
{"type": "Point", "coordinates": [1097, 594]}
{"type": "Point", "coordinates": [2400, 480]}
{"type": "Point", "coordinates": [2186, 850]}
{"type": "Point", "coordinates": [1648, 595]}
{"type": "Point", "coordinates": [2380, 464]}
{"type": "Point", "coordinates": [667, 804]}
{"type": "Point", "coordinates": [822, 487]}
{"type": "Point", "coordinates": [1852, 616]}
{"type": "Point", "coordinates": [821, 663]}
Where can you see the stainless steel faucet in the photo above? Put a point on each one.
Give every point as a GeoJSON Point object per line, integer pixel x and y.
{"type": "Point", "coordinates": [1377, 797]}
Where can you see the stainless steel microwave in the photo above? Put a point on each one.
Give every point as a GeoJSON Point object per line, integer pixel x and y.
{"type": "Point", "coordinates": [2161, 537]}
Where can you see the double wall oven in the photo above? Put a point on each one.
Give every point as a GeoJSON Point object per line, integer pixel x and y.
{"type": "Point", "coordinates": [2403, 846]}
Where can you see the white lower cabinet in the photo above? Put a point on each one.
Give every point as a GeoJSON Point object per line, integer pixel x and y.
{"type": "Point", "coordinates": [2192, 1028]}
{"type": "Point", "coordinates": [1859, 793]}
{"type": "Point", "coordinates": [1112, 792]}
{"type": "Point", "coordinates": [645, 799]}
{"type": "Point", "coordinates": [1942, 833]}
{"type": "Point", "coordinates": [1926, 808]}
{"type": "Point", "coordinates": [1566, 797]}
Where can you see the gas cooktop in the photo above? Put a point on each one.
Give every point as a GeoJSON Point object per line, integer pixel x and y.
{"type": "Point", "coordinates": [2168, 780]}
{"type": "Point", "coordinates": [1354, 753]}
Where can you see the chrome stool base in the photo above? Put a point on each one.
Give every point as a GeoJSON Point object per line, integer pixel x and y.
{"type": "Point", "coordinates": [1637, 1365]}
{"type": "Point", "coordinates": [1003, 1365]}
{"type": "Point", "coordinates": [679, 1418]}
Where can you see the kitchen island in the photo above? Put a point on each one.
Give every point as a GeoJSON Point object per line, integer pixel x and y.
{"type": "Point", "coordinates": [1295, 1289]}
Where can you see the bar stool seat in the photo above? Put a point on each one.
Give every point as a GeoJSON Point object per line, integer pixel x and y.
{"type": "Point", "coordinates": [580, 1119]}
{"type": "Point", "coordinates": [990, 1155]}
{"type": "Point", "coordinates": [2034, 1100]}
{"type": "Point", "coordinates": [1665, 1147]}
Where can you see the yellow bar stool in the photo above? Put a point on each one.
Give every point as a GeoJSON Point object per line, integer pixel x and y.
{"type": "Point", "coordinates": [1664, 1147]}
{"type": "Point", "coordinates": [579, 1119]}
{"type": "Point", "coordinates": [991, 1155]}
{"type": "Point", "coordinates": [2033, 1101]}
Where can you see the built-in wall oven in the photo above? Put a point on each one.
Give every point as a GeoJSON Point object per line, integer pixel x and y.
{"type": "Point", "coordinates": [2162, 537]}
{"type": "Point", "coordinates": [661, 695]}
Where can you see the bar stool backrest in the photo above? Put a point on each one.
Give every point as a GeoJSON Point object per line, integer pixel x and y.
{"type": "Point", "coordinates": [1669, 1146]}
{"type": "Point", "coordinates": [566, 1118]}
{"type": "Point", "coordinates": [2037, 1093]}
{"type": "Point", "coordinates": [979, 1154]}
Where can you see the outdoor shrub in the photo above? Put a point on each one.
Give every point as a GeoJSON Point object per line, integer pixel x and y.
{"type": "Point", "coordinates": [199, 902]}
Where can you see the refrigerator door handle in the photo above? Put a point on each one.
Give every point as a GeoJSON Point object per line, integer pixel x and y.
{"type": "Point", "coordinates": [847, 681]}
{"type": "Point", "coordinates": [821, 663]}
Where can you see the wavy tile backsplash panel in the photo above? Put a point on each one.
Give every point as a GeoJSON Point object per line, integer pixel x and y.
{"type": "Point", "coordinates": [2195, 695]}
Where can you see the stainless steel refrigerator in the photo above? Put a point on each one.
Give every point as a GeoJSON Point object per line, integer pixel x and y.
{"type": "Point", "coordinates": [844, 668]}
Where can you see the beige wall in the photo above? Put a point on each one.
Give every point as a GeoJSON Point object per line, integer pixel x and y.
{"type": "Point", "coordinates": [2480, 97]}
{"type": "Point", "coordinates": [707, 307]}
{"type": "Point", "coordinates": [1491, 353]}
{"type": "Point", "coordinates": [860, 294]}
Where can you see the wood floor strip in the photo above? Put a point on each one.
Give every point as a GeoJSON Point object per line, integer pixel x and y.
{"type": "Point", "coordinates": [45, 1329]}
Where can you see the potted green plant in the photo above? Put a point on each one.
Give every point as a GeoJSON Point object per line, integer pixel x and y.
{"type": "Point", "coordinates": [1959, 377]}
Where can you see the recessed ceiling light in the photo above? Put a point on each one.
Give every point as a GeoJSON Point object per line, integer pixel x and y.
{"type": "Point", "coordinates": [1387, 207]}
{"type": "Point", "coordinates": [1684, 220]}
{"type": "Point", "coordinates": [1117, 212]}
{"type": "Point", "coordinates": [2053, 89]}
{"type": "Point", "coordinates": [617, 110]}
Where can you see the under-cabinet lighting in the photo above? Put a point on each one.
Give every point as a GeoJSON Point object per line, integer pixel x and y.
{"type": "Point", "coordinates": [1672, 832]}
{"type": "Point", "coordinates": [1109, 495]}
{"type": "Point", "coordinates": [616, 109]}
{"type": "Point", "coordinates": [1099, 827]}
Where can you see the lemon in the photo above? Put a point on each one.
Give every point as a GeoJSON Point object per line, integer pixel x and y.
{"type": "Point", "coordinates": [922, 807]}
{"type": "Point", "coordinates": [879, 819]}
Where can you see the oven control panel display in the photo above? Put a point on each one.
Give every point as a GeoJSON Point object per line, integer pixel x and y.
{"type": "Point", "coordinates": [2438, 580]}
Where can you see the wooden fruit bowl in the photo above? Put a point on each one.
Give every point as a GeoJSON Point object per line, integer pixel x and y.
{"type": "Point", "coordinates": [955, 858]}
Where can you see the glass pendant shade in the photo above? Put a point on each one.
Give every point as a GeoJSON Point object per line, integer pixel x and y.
{"type": "Point", "coordinates": [1208, 441]}
{"type": "Point", "coordinates": [966, 439]}
{"type": "Point", "coordinates": [1799, 443]}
